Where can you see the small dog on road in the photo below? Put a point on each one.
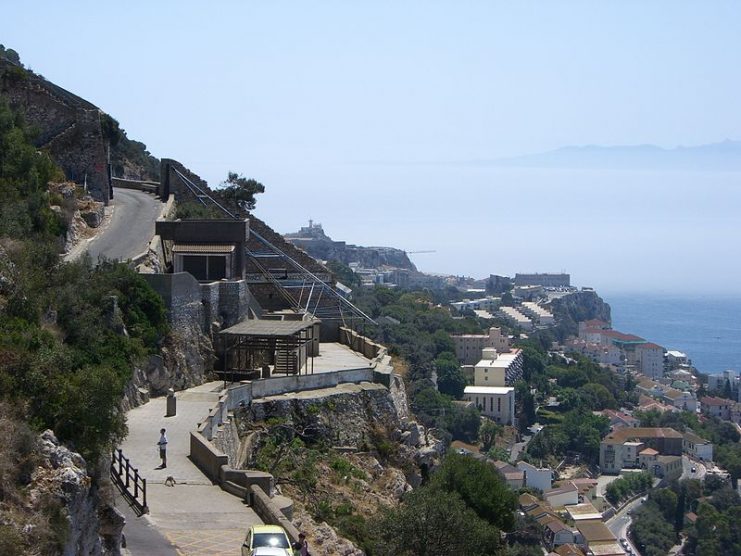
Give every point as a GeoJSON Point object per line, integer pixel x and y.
{"type": "Point", "coordinates": [170, 481]}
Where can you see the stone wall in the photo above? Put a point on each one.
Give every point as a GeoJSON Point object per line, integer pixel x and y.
{"type": "Point", "coordinates": [93, 526]}
{"type": "Point", "coordinates": [182, 296]}
{"type": "Point", "coordinates": [69, 127]}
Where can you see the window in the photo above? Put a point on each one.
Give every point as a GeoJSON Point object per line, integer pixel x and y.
{"type": "Point", "coordinates": [499, 405]}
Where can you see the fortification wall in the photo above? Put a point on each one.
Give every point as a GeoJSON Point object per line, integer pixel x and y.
{"type": "Point", "coordinates": [68, 127]}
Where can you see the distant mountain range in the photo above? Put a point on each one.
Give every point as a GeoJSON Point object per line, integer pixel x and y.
{"type": "Point", "coordinates": [724, 156]}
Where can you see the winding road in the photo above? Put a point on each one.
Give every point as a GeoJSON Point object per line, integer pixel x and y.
{"type": "Point", "coordinates": [129, 229]}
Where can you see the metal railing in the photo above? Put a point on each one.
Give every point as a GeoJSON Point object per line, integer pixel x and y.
{"type": "Point", "coordinates": [132, 485]}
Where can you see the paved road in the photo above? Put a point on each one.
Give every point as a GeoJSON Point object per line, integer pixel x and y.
{"type": "Point", "coordinates": [687, 473]}
{"type": "Point", "coordinates": [620, 522]}
{"type": "Point", "coordinates": [130, 228]}
{"type": "Point", "coordinates": [195, 517]}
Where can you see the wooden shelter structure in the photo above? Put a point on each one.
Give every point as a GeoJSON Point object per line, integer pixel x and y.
{"type": "Point", "coordinates": [259, 348]}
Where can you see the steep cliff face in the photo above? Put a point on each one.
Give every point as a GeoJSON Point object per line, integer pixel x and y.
{"type": "Point", "coordinates": [185, 358]}
{"type": "Point", "coordinates": [579, 306]}
{"type": "Point", "coordinates": [93, 526]}
{"type": "Point", "coordinates": [68, 126]}
{"type": "Point", "coordinates": [358, 445]}
{"type": "Point", "coordinates": [316, 243]}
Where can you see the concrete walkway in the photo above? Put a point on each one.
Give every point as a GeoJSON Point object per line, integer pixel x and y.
{"type": "Point", "coordinates": [197, 517]}
{"type": "Point", "coordinates": [335, 357]}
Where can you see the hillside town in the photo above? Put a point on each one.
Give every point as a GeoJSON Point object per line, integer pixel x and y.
{"type": "Point", "coordinates": [178, 377]}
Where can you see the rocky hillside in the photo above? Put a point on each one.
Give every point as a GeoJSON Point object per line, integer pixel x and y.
{"type": "Point", "coordinates": [341, 454]}
{"type": "Point", "coordinates": [74, 132]}
{"type": "Point", "coordinates": [578, 306]}
{"type": "Point", "coordinates": [50, 505]}
{"type": "Point", "coordinates": [316, 243]}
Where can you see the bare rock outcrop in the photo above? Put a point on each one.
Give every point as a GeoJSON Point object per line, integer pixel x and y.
{"type": "Point", "coordinates": [184, 361]}
{"type": "Point", "coordinates": [93, 527]}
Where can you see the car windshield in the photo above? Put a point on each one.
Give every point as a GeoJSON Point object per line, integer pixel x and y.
{"type": "Point", "coordinates": [275, 540]}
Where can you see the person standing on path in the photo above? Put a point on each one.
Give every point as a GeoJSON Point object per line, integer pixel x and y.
{"type": "Point", "coordinates": [163, 448]}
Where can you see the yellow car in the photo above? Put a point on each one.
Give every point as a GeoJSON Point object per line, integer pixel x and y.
{"type": "Point", "coordinates": [271, 537]}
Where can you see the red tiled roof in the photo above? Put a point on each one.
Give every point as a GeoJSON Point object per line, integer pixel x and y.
{"type": "Point", "coordinates": [710, 400]}
{"type": "Point", "coordinates": [650, 345]}
{"type": "Point", "coordinates": [623, 337]}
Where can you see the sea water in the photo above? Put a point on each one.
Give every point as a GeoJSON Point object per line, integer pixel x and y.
{"type": "Point", "coordinates": [706, 328]}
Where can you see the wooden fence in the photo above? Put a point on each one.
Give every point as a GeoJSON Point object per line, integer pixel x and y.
{"type": "Point", "coordinates": [132, 485]}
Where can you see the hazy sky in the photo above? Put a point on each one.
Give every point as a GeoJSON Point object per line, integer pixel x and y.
{"type": "Point", "coordinates": [344, 110]}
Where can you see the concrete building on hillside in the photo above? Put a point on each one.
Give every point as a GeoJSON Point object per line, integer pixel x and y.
{"type": "Point", "coordinates": [543, 279]}
{"type": "Point", "coordinates": [650, 359]}
{"type": "Point", "coordinates": [513, 476]}
{"type": "Point", "coordinates": [619, 420]}
{"type": "Point", "coordinates": [469, 347]}
{"type": "Point", "coordinates": [566, 494]}
{"type": "Point", "coordinates": [697, 447]}
{"type": "Point", "coordinates": [683, 400]}
{"type": "Point", "coordinates": [621, 448]}
{"type": "Point", "coordinates": [496, 369]}
{"type": "Point", "coordinates": [515, 317]}
{"type": "Point", "coordinates": [496, 402]}
{"type": "Point", "coordinates": [541, 315]}
{"type": "Point", "coordinates": [599, 353]}
{"type": "Point", "coordinates": [557, 533]}
{"type": "Point", "coordinates": [536, 477]}
{"type": "Point", "coordinates": [717, 407]}
{"type": "Point", "coordinates": [676, 359]}
{"type": "Point", "coordinates": [727, 382]}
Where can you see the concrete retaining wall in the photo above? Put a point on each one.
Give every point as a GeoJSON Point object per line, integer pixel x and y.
{"type": "Point", "coordinates": [206, 457]}
{"type": "Point", "coordinates": [270, 513]}
{"type": "Point", "coordinates": [255, 486]}
{"type": "Point", "coordinates": [360, 344]}
{"type": "Point", "coordinates": [275, 386]}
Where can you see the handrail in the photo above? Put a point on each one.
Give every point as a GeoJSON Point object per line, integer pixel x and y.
{"type": "Point", "coordinates": [124, 476]}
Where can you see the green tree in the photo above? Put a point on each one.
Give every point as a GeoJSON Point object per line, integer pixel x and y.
{"type": "Point", "coordinates": [680, 510]}
{"type": "Point", "coordinates": [450, 379]}
{"type": "Point", "coordinates": [480, 486]}
{"type": "Point", "coordinates": [488, 432]}
{"type": "Point", "coordinates": [430, 522]}
{"type": "Point", "coordinates": [666, 500]}
{"type": "Point", "coordinates": [240, 192]}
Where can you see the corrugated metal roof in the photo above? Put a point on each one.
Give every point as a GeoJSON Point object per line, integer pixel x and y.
{"type": "Point", "coordinates": [268, 327]}
{"type": "Point", "coordinates": [203, 248]}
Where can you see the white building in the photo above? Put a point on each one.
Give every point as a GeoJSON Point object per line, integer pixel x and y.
{"type": "Point", "coordinates": [683, 400]}
{"type": "Point", "coordinates": [565, 495]}
{"type": "Point", "coordinates": [721, 380]}
{"type": "Point", "coordinates": [536, 477]}
{"type": "Point", "coordinates": [697, 447]}
{"type": "Point", "coordinates": [541, 316]}
{"type": "Point", "coordinates": [496, 402]}
{"type": "Point", "coordinates": [650, 359]}
{"type": "Point", "coordinates": [498, 369]}
{"type": "Point", "coordinates": [515, 317]}
{"type": "Point", "coordinates": [489, 303]}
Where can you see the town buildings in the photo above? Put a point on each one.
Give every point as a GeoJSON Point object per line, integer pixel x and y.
{"type": "Point", "coordinates": [717, 407]}
{"type": "Point", "coordinates": [621, 448]}
{"type": "Point", "coordinates": [645, 357]}
{"type": "Point", "coordinates": [515, 317]}
{"type": "Point", "coordinates": [543, 279]}
{"type": "Point", "coordinates": [540, 478]}
{"type": "Point", "coordinates": [469, 347]}
{"type": "Point", "coordinates": [498, 369]}
{"type": "Point", "coordinates": [542, 316]}
{"type": "Point", "coordinates": [496, 402]}
{"type": "Point", "coordinates": [697, 447]}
